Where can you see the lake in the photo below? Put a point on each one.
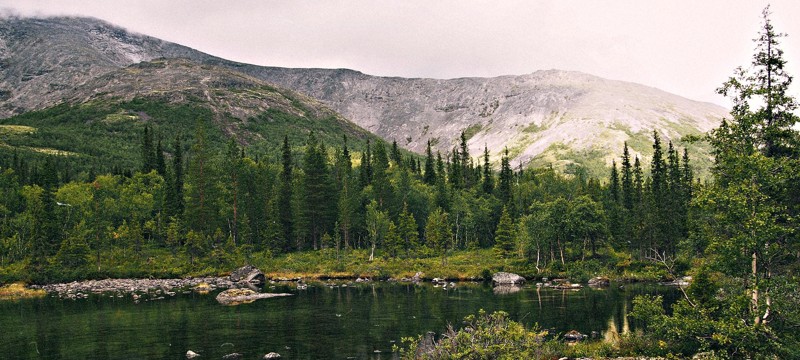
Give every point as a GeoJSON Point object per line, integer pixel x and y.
{"type": "Point", "coordinates": [357, 321]}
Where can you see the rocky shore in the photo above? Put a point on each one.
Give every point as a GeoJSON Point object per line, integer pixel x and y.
{"type": "Point", "coordinates": [138, 288]}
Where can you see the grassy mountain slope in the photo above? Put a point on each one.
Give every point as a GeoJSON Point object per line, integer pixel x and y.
{"type": "Point", "coordinates": [103, 119]}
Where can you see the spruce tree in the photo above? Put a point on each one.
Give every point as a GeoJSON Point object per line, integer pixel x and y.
{"type": "Point", "coordinates": [438, 234]}
{"type": "Point", "coordinates": [366, 166]}
{"type": "Point", "coordinates": [392, 242]}
{"type": "Point", "coordinates": [613, 183]}
{"type": "Point", "coordinates": [407, 230]}
{"type": "Point", "coordinates": [233, 160]}
{"type": "Point", "coordinates": [430, 173]}
{"type": "Point", "coordinates": [177, 202]}
{"type": "Point", "coordinates": [395, 155]}
{"type": "Point", "coordinates": [318, 200]}
{"type": "Point", "coordinates": [455, 170]}
{"type": "Point", "coordinates": [199, 209]}
{"type": "Point", "coordinates": [627, 180]}
{"type": "Point", "coordinates": [466, 163]}
{"type": "Point", "coordinates": [488, 176]}
{"type": "Point", "coordinates": [285, 196]}
{"type": "Point", "coordinates": [348, 195]}
{"type": "Point", "coordinates": [504, 236]}
{"type": "Point", "coordinates": [161, 164]}
{"type": "Point", "coordinates": [148, 151]}
{"type": "Point", "coordinates": [506, 179]}
{"type": "Point", "coordinates": [380, 179]}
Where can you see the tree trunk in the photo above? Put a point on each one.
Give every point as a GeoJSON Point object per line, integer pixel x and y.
{"type": "Point", "coordinates": [372, 253]}
{"type": "Point", "coordinates": [754, 300]}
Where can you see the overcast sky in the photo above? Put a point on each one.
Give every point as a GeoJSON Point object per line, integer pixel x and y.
{"type": "Point", "coordinates": [687, 47]}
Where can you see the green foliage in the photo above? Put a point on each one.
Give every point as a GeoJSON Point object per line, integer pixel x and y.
{"type": "Point", "coordinates": [504, 237]}
{"type": "Point", "coordinates": [484, 336]}
{"type": "Point", "coordinates": [438, 235]}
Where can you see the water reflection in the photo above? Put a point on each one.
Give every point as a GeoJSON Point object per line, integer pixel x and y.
{"type": "Point", "coordinates": [333, 321]}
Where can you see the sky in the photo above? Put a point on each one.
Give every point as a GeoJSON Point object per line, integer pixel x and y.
{"type": "Point", "coordinates": [687, 47]}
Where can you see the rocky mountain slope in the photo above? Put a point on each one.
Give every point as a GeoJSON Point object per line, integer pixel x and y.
{"type": "Point", "coordinates": [547, 117]}
{"type": "Point", "coordinates": [101, 120]}
{"type": "Point", "coordinates": [44, 60]}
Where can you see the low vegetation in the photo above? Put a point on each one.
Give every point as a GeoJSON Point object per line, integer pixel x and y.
{"type": "Point", "coordinates": [16, 291]}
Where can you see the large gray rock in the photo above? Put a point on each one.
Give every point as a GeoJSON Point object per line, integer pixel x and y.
{"type": "Point", "coordinates": [249, 274]}
{"type": "Point", "coordinates": [272, 355]}
{"type": "Point", "coordinates": [504, 278]}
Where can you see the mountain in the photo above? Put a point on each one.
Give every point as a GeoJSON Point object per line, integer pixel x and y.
{"type": "Point", "coordinates": [104, 117]}
{"type": "Point", "coordinates": [44, 60]}
{"type": "Point", "coordinates": [547, 117]}
{"type": "Point", "coordinates": [567, 119]}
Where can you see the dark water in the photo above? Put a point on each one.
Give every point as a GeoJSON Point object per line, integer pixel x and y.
{"type": "Point", "coordinates": [317, 323]}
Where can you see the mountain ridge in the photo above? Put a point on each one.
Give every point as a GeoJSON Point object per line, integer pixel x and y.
{"type": "Point", "coordinates": [545, 117]}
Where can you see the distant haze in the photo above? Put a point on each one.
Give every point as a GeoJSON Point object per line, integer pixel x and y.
{"type": "Point", "coordinates": [685, 47]}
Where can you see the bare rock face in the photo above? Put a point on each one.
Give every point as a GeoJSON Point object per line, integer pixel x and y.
{"type": "Point", "coordinates": [563, 118]}
{"type": "Point", "coordinates": [43, 59]}
{"type": "Point", "coordinates": [249, 274]}
{"type": "Point", "coordinates": [504, 278]}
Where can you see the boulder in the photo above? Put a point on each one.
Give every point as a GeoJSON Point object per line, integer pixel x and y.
{"type": "Point", "coordinates": [232, 356]}
{"type": "Point", "coordinates": [417, 277]}
{"type": "Point", "coordinates": [243, 296]}
{"type": "Point", "coordinates": [191, 354]}
{"type": "Point", "coordinates": [574, 335]}
{"type": "Point", "coordinates": [249, 274]}
{"type": "Point", "coordinates": [504, 278]}
{"type": "Point", "coordinates": [272, 355]}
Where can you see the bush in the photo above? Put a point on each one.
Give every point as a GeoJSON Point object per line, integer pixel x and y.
{"type": "Point", "coordinates": [484, 336]}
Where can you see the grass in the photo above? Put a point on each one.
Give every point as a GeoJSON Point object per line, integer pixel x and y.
{"type": "Point", "coordinates": [16, 129]}
{"type": "Point", "coordinates": [472, 130]}
{"type": "Point", "coordinates": [461, 265]}
{"type": "Point", "coordinates": [17, 291]}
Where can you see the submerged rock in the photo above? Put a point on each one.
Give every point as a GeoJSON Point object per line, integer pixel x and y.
{"type": "Point", "coordinates": [244, 296]}
{"type": "Point", "coordinates": [233, 356]}
{"type": "Point", "coordinates": [568, 286]}
{"type": "Point", "coordinates": [599, 281]}
{"type": "Point", "coordinates": [248, 274]}
{"type": "Point", "coordinates": [502, 278]}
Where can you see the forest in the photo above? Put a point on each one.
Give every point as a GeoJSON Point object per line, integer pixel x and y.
{"type": "Point", "coordinates": [217, 207]}
{"type": "Point", "coordinates": [193, 207]}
